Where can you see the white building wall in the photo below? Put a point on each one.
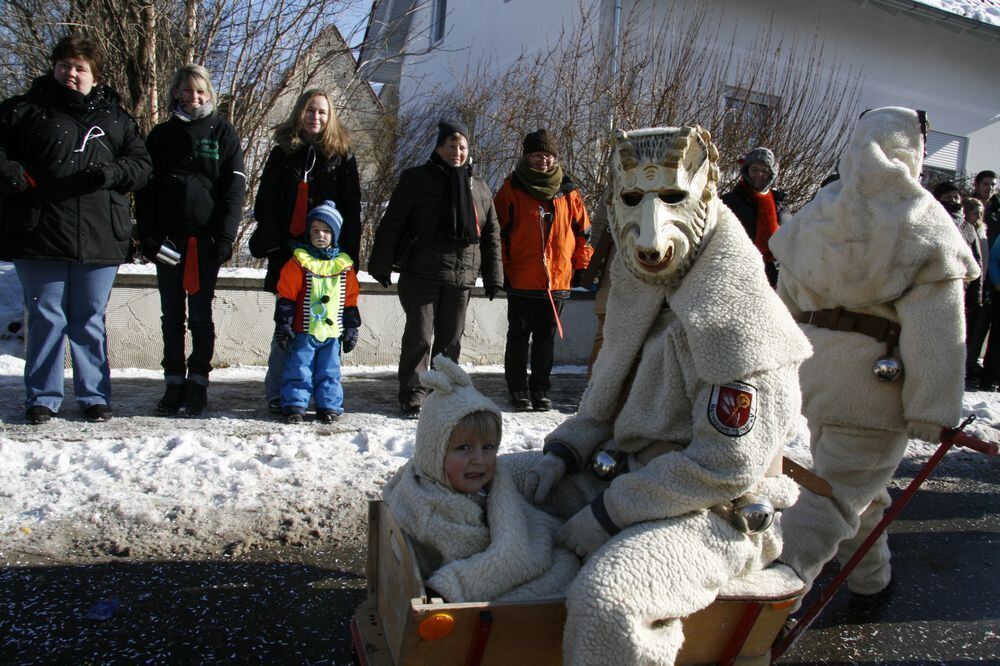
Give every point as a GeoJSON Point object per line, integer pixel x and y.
{"type": "Point", "coordinates": [905, 60]}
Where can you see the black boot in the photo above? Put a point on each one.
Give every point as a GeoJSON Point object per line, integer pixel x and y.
{"type": "Point", "coordinates": [870, 606]}
{"type": "Point", "coordinates": [326, 415]}
{"type": "Point", "coordinates": [540, 401]}
{"type": "Point", "coordinates": [520, 401]}
{"type": "Point", "coordinates": [195, 398]}
{"type": "Point", "coordinates": [293, 415]}
{"type": "Point", "coordinates": [171, 401]}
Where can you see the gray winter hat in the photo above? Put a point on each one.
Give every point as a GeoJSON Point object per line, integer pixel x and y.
{"type": "Point", "coordinates": [452, 398]}
{"type": "Point", "coordinates": [760, 155]}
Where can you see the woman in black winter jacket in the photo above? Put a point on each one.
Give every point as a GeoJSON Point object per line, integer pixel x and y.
{"type": "Point", "coordinates": [193, 202]}
{"type": "Point", "coordinates": [69, 154]}
{"type": "Point", "coordinates": [311, 163]}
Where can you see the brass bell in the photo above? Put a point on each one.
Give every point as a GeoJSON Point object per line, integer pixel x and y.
{"type": "Point", "coordinates": [887, 368]}
{"type": "Point", "coordinates": [752, 514]}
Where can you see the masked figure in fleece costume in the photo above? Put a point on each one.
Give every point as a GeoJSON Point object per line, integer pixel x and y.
{"type": "Point", "coordinates": [873, 267]}
{"type": "Point", "coordinates": [697, 391]}
{"type": "Point", "coordinates": [475, 537]}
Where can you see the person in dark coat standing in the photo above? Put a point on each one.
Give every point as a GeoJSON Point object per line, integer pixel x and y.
{"type": "Point", "coordinates": [439, 228]}
{"type": "Point", "coordinates": [69, 154]}
{"type": "Point", "coordinates": [757, 204]}
{"type": "Point", "coordinates": [311, 163]}
{"type": "Point", "coordinates": [984, 191]}
{"type": "Point", "coordinates": [194, 202]}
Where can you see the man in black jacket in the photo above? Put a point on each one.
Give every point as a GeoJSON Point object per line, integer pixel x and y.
{"type": "Point", "coordinates": [439, 228]}
{"type": "Point", "coordinates": [757, 204]}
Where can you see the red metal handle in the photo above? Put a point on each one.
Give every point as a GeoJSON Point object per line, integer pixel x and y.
{"type": "Point", "coordinates": [960, 438]}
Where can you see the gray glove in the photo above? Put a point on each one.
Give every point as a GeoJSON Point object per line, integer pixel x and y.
{"type": "Point", "coordinates": [583, 534]}
{"type": "Point", "coordinates": [546, 474]}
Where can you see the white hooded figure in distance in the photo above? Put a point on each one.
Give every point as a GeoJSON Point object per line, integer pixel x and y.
{"type": "Point", "coordinates": [877, 266]}
{"type": "Point", "coordinates": [696, 388]}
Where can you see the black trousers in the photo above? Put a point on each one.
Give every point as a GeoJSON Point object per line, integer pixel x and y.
{"type": "Point", "coordinates": [174, 301]}
{"type": "Point", "coordinates": [435, 322]}
{"type": "Point", "coordinates": [531, 329]}
{"type": "Point", "coordinates": [991, 362]}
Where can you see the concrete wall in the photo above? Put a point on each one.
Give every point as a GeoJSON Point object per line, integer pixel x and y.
{"type": "Point", "coordinates": [244, 323]}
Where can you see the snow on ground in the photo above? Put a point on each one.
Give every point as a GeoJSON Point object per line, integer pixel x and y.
{"type": "Point", "coordinates": [147, 487]}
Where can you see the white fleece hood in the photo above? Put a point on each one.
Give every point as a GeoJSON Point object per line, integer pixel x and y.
{"type": "Point", "coordinates": [876, 232]}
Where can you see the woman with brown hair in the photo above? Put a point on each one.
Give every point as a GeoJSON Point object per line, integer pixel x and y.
{"type": "Point", "coordinates": [311, 163]}
{"type": "Point", "coordinates": [69, 154]}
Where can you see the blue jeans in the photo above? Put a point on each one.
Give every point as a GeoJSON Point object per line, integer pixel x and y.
{"type": "Point", "coordinates": [312, 368]}
{"type": "Point", "coordinates": [66, 299]}
{"type": "Point", "coordinates": [275, 371]}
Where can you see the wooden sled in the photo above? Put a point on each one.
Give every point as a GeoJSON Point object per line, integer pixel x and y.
{"type": "Point", "coordinates": [398, 625]}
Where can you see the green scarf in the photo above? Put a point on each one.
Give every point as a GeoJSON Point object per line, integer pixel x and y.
{"type": "Point", "coordinates": [541, 185]}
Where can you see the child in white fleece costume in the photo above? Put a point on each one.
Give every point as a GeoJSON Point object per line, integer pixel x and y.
{"type": "Point", "coordinates": [876, 244]}
{"type": "Point", "coordinates": [699, 389]}
{"type": "Point", "coordinates": [475, 536]}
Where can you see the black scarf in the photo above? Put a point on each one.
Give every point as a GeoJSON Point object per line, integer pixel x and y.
{"type": "Point", "coordinates": [458, 219]}
{"type": "Point", "coordinates": [73, 100]}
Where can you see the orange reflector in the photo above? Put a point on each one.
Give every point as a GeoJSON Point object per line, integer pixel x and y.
{"type": "Point", "coordinates": [784, 604]}
{"type": "Point", "coordinates": [437, 626]}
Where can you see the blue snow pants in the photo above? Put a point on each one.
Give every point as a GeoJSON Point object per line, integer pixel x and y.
{"type": "Point", "coordinates": [312, 368]}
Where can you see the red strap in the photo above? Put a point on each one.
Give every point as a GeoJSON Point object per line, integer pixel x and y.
{"type": "Point", "coordinates": [297, 227]}
{"type": "Point", "coordinates": [555, 312]}
{"type": "Point", "coordinates": [191, 282]}
{"type": "Point", "coordinates": [480, 635]}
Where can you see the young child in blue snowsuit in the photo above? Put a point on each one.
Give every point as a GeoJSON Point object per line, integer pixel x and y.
{"type": "Point", "coordinates": [316, 314]}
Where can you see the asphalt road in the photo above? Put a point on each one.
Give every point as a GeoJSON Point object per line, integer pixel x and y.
{"type": "Point", "coordinates": [292, 606]}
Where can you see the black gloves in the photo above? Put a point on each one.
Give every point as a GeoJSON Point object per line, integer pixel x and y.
{"type": "Point", "coordinates": [284, 313]}
{"type": "Point", "coordinates": [150, 247]}
{"type": "Point", "coordinates": [577, 278]}
{"type": "Point", "coordinates": [491, 291]}
{"type": "Point", "coordinates": [349, 340]}
{"type": "Point", "coordinates": [384, 280]}
{"type": "Point", "coordinates": [223, 251]}
{"type": "Point", "coordinates": [13, 178]}
{"type": "Point", "coordinates": [284, 335]}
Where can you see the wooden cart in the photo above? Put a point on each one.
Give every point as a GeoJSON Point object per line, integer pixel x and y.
{"type": "Point", "coordinates": [398, 624]}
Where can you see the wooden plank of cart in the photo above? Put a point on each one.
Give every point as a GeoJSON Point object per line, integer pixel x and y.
{"type": "Point", "coordinates": [398, 624]}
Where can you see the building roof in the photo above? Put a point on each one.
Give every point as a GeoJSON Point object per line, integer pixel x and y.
{"type": "Point", "coordinates": [983, 11]}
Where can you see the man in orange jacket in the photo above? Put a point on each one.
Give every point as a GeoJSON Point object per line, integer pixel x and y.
{"type": "Point", "coordinates": [544, 230]}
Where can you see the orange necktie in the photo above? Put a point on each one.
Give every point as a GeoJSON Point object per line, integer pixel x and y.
{"type": "Point", "coordinates": [191, 282]}
{"type": "Point", "coordinates": [298, 224]}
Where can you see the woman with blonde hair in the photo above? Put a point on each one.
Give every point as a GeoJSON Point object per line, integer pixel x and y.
{"type": "Point", "coordinates": [311, 163]}
{"type": "Point", "coordinates": [193, 203]}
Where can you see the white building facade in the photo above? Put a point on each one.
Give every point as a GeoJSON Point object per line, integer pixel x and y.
{"type": "Point", "coordinates": [907, 53]}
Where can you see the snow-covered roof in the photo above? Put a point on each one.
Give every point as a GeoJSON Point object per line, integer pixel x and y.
{"type": "Point", "coordinates": [983, 11]}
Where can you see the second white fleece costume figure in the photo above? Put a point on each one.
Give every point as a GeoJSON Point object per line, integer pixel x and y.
{"type": "Point", "coordinates": [877, 245]}
{"type": "Point", "coordinates": [714, 396]}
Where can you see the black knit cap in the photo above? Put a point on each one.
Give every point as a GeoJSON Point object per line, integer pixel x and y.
{"type": "Point", "coordinates": [944, 188]}
{"type": "Point", "coordinates": [539, 140]}
{"type": "Point", "coordinates": [450, 127]}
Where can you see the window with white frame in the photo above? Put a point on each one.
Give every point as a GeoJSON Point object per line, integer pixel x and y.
{"type": "Point", "coordinates": [439, 11]}
{"type": "Point", "coordinates": [945, 156]}
{"type": "Point", "coordinates": [746, 111]}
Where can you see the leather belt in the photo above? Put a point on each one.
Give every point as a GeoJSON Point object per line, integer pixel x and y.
{"type": "Point", "coordinates": [839, 319]}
